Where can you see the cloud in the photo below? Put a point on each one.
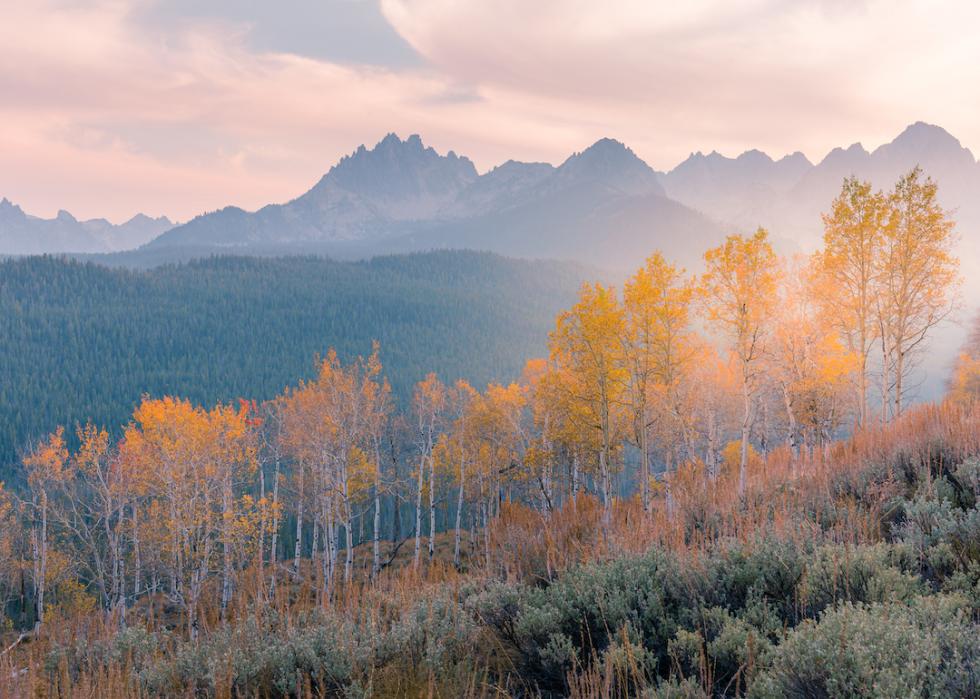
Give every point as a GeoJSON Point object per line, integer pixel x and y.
{"type": "Point", "coordinates": [672, 77]}
{"type": "Point", "coordinates": [103, 116]}
{"type": "Point", "coordinates": [115, 106]}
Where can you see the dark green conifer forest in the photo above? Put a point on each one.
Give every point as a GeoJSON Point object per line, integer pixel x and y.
{"type": "Point", "coordinates": [80, 341]}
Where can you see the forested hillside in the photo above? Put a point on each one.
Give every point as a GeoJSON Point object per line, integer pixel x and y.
{"type": "Point", "coordinates": [82, 342]}
{"type": "Point", "coordinates": [709, 489]}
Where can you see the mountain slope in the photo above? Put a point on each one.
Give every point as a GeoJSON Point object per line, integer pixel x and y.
{"type": "Point", "coordinates": [367, 195]}
{"type": "Point", "coordinates": [227, 327]}
{"type": "Point", "coordinates": [603, 205]}
{"type": "Point", "coordinates": [734, 189]}
{"type": "Point", "coordinates": [22, 234]}
{"type": "Point", "coordinates": [788, 195]}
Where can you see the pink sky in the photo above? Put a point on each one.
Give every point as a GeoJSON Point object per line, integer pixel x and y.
{"type": "Point", "coordinates": [110, 107]}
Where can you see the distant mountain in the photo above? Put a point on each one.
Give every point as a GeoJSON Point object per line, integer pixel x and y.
{"type": "Point", "coordinates": [788, 195]}
{"type": "Point", "coordinates": [603, 205]}
{"type": "Point", "coordinates": [940, 155]}
{"type": "Point", "coordinates": [23, 234]}
{"type": "Point", "coordinates": [369, 194]}
{"type": "Point", "coordinates": [734, 189]}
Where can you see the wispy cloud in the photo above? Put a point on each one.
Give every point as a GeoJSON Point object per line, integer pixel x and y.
{"type": "Point", "coordinates": [114, 106]}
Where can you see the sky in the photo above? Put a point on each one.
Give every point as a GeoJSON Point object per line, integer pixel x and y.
{"type": "Point", "coordinates": [177, 107]}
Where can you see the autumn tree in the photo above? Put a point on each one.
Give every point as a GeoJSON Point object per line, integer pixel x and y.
{"type": "Point", "coordinates": [99, 497]}
{"type": "Point", "coordinates": [45, 466]}
{"type": "Point", "coordinates": [657, 347]}
{"type": "Point", "coordinates": [196, 457]}
{"type": "Point", "coordinates": [710, 401]}
{"type": "Point", "coordinates": [377, 400]}
{"type": "Point", "coordinates": [271, 444]}
{"type": "Point", "coordinates": [540, 432]}
{"type": "Point", "coordinates": [586, 344]}
{"type": "Point", "coordinates": [811, 366]}
{"type": "Point", "coordinates": [331, 425]}
{"type": "Point", "coordinates": [455, 451]}
{"type": "Point", "coordinates": [850, 264]}
{"type": "Point", "coordinates": [429, 404]}
{"type": "Point", "coordinates": [919, 276]}
{"type": "Point", "coordinates": [738, 294]}
{"type": "Point", "coordinates": [964, 383]}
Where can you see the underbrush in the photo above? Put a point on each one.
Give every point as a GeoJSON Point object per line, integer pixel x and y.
{"type": "Point", "coordinates": [852, 575]}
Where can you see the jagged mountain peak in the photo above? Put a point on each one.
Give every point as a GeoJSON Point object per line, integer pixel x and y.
{"type": "Point", "coordinates": [926, 143]}
{"type": "Point", "coordinates": [853, 154]}
{"type": "Point", "coordinates": [611, 163]}
{"type": "Point", "coordinates": [754, 156]}
{"type": "Point", "coordinates": [606, 151]}
{"type": "Point", "coordinates": [22, 233]}
{"type": "Point", "coordinates": [512, 165]}
{"type": "Point", "coordinates": [394, 168]}
{"type": "Point", "coordinates": [392, 146]}
{"type": "Point", "coordinates": [9, 208]}
{"type": "Point", "coordinates": [924, 134]}
{"type": "Point", "coordinates": [142, 219]}
{"type": "Point", "coordinates": [795, 157]}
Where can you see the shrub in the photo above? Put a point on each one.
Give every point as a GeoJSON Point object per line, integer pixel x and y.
{"type": "Point", "coordinates": [929, 648]}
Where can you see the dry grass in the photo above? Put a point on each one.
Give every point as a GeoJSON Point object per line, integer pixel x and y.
{"type": "Point", "coordinates": [840, 495]}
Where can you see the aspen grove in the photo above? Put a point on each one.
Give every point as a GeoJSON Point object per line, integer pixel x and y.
{"type": "Point", "coordinates": [674, 387]}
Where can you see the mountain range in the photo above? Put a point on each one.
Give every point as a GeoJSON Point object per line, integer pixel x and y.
{"type": "Point", "coordinates": [788, 195]}
{"type": "Point", "coordinates": [603, 205]}
{"type": "Point", "coordinates": [23, 234]}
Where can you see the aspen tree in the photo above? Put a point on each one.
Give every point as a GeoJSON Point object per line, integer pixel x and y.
{"type": "Point", "coordinates": [964, 383]}
{"type": "Point", "coordinates": [272, 441]}
{"type": "Point", "coordinates": [850, 264]}
{"type": "Point", "coordinates": [429, 402]}
{"type": "Point", "coordinates": [919, 274]}
{"type": "Point", "coordinates": [541, 432]}
{"type": "Point", "coordinates": [379, 409]}
{"type": "Point", "coordinates": [195, 457]}
{"type": "Point", "coordinates": [462, 398]}
{"type": "Point", "coordinates": [811, 366]}
{"type": "Point", "coordinates": [657, 348]}
{"type": "Point", "coordinates": [586, 342]}
{"type": "Point", "coordinates": [45, 466]}
{"type": "Point", "coordinates": [102, 490]}
{"type": "Point", "coordinates": [738, 292]}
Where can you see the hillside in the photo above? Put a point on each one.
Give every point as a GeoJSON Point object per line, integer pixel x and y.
{"type": "Point", "coordinates": [84, 341]}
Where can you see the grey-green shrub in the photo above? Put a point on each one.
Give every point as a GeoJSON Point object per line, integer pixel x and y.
{"type": "Point", "coordinates": [929, 648]}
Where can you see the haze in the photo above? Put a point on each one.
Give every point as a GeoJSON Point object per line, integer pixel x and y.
{"type": "Point", "coordinates": [117, 106]}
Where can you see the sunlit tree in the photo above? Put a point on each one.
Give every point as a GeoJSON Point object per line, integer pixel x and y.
{"type": "Point", "coordinates": [850, 264]}
{"type": "Point", "coordinates": [587, 345]}
{"type": "Point", "coordinates": [739, 295]}
{"type": "Point", "coordinates": [919, 276]}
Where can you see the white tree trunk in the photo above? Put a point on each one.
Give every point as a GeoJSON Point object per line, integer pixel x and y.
{"type": "Point", "coordinates": [418, 512]}
{"type": "Point", "coordinates": [459, 508]}
{"type": "Point", "coordinates": [300, 501]}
